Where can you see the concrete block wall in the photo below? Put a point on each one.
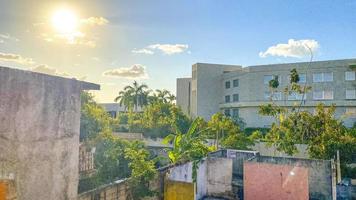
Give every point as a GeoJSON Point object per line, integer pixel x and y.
{"type": "Point", "coordinates": [39, 133]}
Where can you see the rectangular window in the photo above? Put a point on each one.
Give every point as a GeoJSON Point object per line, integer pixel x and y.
{"type": "Point", "coordinates": [227, 112]}
{"type": "Point", "coordinates": [328, 77]}
{"type": "Point", "coordinates": [323, 77]}
{"type": "Point", "coordinates": [267, 78]}
{"type": "Point", "coordinates": [235, 83]}
{"type": "Point", "coordinates": [323, 95]}
{"type": "Point", "coordinates": [227, 84]}
{"type": "Point", "coordinates": [318, 77]}
{"type": "Point", "coordinates": [351, 94]}
{"type": "Point", "coordinates": [350, 76]}
{"type": "Point", "coordinates": [235, 112]}
{"type": "Point", "coordinates": [227, 99]}
{"type": "Point", "coordinates": [351, 111]}
{"type": "Point", "coordinates": [302, 78]}
{"type": "Point", "coordinates": [292, 96]}
{"type": "Point", "coordinates": [235, 97]}
{"type": "Point", "coordinates": [318, 95]}
{"type": "Point", "coordinates": [277, 96]}
{"type": "Point", "coordinates": [328, 95]}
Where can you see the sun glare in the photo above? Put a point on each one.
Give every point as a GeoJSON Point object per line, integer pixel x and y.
{"type": "Point", "coordinates": [65, 21]}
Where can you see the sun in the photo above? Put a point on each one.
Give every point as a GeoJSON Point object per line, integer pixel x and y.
{"type": "Point", "coordinates": [65, 21]}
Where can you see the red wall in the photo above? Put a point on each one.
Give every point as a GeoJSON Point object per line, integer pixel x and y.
{"type": "Point", "coordinates": [264, 181]}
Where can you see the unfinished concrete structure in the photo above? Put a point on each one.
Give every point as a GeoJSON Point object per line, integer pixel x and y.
{"type": "Point", "coordinates": [39, 135]}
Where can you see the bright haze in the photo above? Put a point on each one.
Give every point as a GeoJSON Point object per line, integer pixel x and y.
{"type": "Point", "coordinates": [114, 42]}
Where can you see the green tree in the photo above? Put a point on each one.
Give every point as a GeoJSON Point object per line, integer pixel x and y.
{"type": "Point", "coordinates": [159, 119]}
{"type": "Point", "coordinates": [227, 133]}
{"type": "Point", "coordinates": [139, 95]}
{"type": "Point", "coordinates": [133, 95]}
{"type": "Point", "coordinates": [94, 119]}
{"type": "Point", "coordinates": [125, 99]}
{"type": "Point", "coordinates": [323, 134]}
{"type": "Point", "coordinates": [142, 170]}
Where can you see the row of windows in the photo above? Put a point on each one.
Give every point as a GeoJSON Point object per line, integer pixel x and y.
{"type": "Point", "coordinates": [235, 112]}
{"type": "Point", "coordinates": [317, 95]}
{"type": "Point", "coordinates": [235, 83]}
{"type": "Point", "coordinates": [292, 96]}
{"type": "Point", "coordinates": [235, 98]}
{"type": "Point", "coordinates": [317, 77]}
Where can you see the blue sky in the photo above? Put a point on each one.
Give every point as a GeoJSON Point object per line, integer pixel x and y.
{"type": "Point", "coordinates": [172, 34]}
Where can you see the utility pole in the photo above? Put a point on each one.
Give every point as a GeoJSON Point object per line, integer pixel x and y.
{"type": "Point", "coordinates": [338, 170]}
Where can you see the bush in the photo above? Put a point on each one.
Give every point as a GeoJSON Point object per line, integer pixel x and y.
{"type": "Point", "coordinates": [248, 131]}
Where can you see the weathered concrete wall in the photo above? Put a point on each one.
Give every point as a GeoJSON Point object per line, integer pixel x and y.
{"type": "Point", "coordinates": [264, 181]}
{"type": "Point", "coordinates": [219, 173]}
{"type": "Point", "coordinates": [116, 191]}
{"type": "Point", "coordinates": [320, 174]}
{"type": "Point", "coordinates": [181, 173]}
{"type": "Point", "coordinates": [39, 133]}
{"type": "Point", "coordinates": [183, 94]}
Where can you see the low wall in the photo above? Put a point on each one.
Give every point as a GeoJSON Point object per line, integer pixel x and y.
{"type": "Point", "coordinates": [265, 181]}
{"type": "Point", "coordinates": [320, 174]}
{"type": "Point", "coordinates": [114, 191]}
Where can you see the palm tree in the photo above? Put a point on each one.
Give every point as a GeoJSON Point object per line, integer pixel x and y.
{"type": "Point", "coordinates": [138, 93]}
{"type": "Point", "coordinates": [171, 98]}
{"type": "Point", "coordinates": [124, 98]}
{"type": "Point", "coordinates": [164, 96]}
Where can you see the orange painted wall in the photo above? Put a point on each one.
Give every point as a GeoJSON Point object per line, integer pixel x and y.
{"type": "Point", "coordinates": [3, 190]}
{"type": "Point", "coordinates": [264, 181]}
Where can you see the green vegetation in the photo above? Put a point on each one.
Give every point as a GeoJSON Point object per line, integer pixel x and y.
{"type": "Point", "coordinates": [323, 134]}
{"type": "Point", "coordinates": [192, 140]}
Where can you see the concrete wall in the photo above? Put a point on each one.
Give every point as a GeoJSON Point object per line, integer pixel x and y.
{"type": "Point", "coordinates": [207, 88]}
{"type": "Point", "coordinates": [219, 173]}
{"type": "Point", "coordinates": [39, 133]}
{"type": "Point", "coordinates": [214, 177]}
{"type": "Point", "coordinates": [114, 191]}
{"type": "Point", "coordinates": [183, 94]}
{"type": "Point", "coordinates": [264, 150]}
{"type": "Point", "coordinates": [264, 181]}
{"type": "Point", "coordinates": [320, 174]}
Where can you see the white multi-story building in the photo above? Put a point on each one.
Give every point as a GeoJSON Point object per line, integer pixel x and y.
{"type": "Point", "coordinates": [238, 91]}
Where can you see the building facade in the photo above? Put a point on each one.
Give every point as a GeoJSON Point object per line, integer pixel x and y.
{"type": "Point", "coordinates": [238, 91]}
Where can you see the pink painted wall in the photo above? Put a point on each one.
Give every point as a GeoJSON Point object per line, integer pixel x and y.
{"type": "Point", "coordinates": [264, 181]}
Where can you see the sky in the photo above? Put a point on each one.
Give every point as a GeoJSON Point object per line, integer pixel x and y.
{"type": "Point", "coordinates": [114, 42]}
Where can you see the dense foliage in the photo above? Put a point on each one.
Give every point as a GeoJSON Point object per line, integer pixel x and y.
{"type": "Point", "coordinates": [323, 134]}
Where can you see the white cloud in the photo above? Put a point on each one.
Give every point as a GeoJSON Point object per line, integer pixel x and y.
{"type": "Point", "coordinates": [8, 37]}
{"type": "Point", "coordinates": [15, 58]}
{"type": "Point", "coordinates": [168, 49]}
{"type": "Point", "coordinates": [45, 69]}
{"type": "Point", "coordinates": [294, 48]}
{"type": "Point", "coordinates": [143, 51]}
{"type": "Point", "coordinates": [136, 71]}
{"type": "Point", "coordinates": [95, 21]}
